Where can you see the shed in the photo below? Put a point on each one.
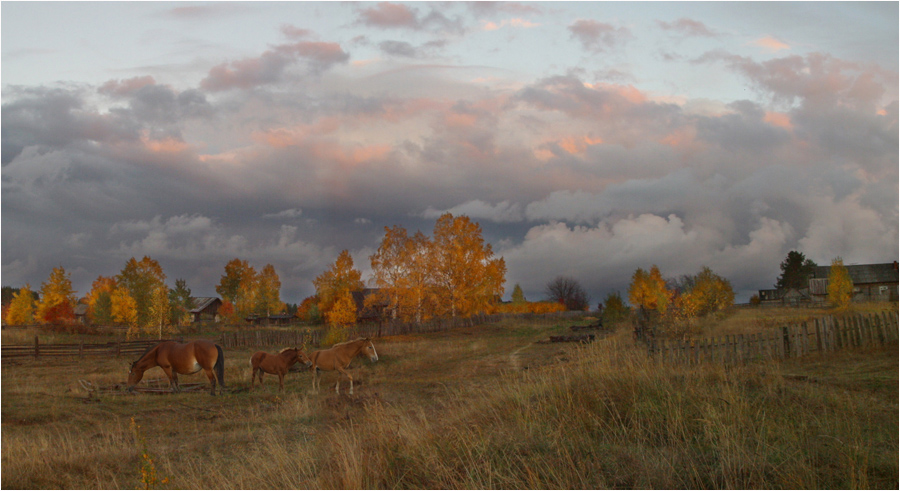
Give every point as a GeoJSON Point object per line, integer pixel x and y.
{"type": "Point", "coordinates": [372, 312]}
{"type": "Point", "coordinates": [81, 311]}
{"type": "Point", "coordinates": [205, 309]}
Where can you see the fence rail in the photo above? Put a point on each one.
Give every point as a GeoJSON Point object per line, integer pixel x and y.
{"type": "Point", "coordinates": [824, 335]}
{"type": "Point", "coordinates": [115, 348]}
{"type": "Point", "coordinates": [313, 336]}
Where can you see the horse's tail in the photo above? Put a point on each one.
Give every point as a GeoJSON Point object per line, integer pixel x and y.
{"type": "Point", "coordinates": [220, 366]}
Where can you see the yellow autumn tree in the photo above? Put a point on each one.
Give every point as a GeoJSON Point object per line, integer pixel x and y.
{"type": "Point", "coordinates": [467, 279]}
{"type": "Point", "coordinates": [268, 296]}
{"type": "Point", "coordinates": [21, 309]}
{"type": "Point", "coordinates": [400, 272]}
{"type": "Point", "coordinates": [124, 309]}
{"type": "Point", "coordinates": [341, 316]}
{"type": "Point", "coordinates": [339, 280]}
{"type": "Point", "coordinates": [840, 285]}
{"type": "Point", "coordinates": [56, 292]}
{"type": "Point", "coordinates": [648, 290]}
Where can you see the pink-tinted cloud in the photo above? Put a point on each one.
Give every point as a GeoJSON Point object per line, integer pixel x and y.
{"type": "Point", "coordinates": [688, 27]}
{"type": "Point", "coordinates": [126, 87]}
{"type": "Point", "coordinates": [269, 67]}
{"type": "Point", "coordinates": [517, 22]}
{"type": "Point", "coordinates": [598, 36]}
{"type": "Point", "coordinates": [770, 44]}
{"type": "Point", "coordinates": [390, 15]}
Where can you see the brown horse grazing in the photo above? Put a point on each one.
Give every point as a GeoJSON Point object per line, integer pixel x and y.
{"type": "Point", "coordinates": [338, 357]}
{"type": "Point", "coordinates": [262, 362]}
{"type": "Point", "coordinates": [184, 358]}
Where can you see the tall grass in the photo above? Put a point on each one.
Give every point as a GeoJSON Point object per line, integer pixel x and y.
{"type": "Point", "coordinates": [459, 410]}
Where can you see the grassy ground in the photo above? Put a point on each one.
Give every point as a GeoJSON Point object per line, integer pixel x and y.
{"type": "Point", "coordinates": [486, 407]}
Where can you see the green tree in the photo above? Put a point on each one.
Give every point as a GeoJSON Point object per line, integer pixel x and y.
{"type": "Point", "coordinates": [840, 285]}
{"type": "Point", "coordinates": [796, 270]}
{"type": "Point", "coordinates": [180, 304]}
{"type": "Point", "coordinates": [614, 309]}
{"type": "Point", "coordinates": [142, 279]}
{"type": "Point", "coordinates": [518, 296]}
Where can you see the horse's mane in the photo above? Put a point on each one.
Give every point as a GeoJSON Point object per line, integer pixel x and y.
{"type": "Point", "coordinates": [145, 352]}
{"type": "Point", "coordinates": [348, 342]}
{"type": "Point", "coordinates": [285, 349]}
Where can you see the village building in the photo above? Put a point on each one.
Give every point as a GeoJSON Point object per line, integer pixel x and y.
{"type": "Point", "coordinates": [206, 309]}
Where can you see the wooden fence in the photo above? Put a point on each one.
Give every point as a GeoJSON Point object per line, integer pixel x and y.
{"type": "Point", "coordinates": [38, 350]}
{"type": "Point", "coordinates": [824, 335]}
{"type": "Point", "coordinates": [311, 337]}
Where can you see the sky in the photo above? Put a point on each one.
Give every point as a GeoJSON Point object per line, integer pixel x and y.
{"type": "Point", "coordinates": [588, 139]}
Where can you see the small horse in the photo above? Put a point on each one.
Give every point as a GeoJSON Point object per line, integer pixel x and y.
{"type": "Point", "coordinates": [338, 357]}
{"type": "Point", "coordinates": [183, 358]}
{"type": "Point", "coordinates": [262, 362]}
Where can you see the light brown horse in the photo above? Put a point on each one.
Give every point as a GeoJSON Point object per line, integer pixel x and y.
{"type": "Point", "coordinates": [262, 362]}
{"type": "Point", "coordinates": [184, 358]}
{"type": "Point", "coordinates": [338, 357]}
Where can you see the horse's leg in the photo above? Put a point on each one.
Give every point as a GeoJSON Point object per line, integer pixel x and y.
{"type": "Point", "coordinates": [212, 380]}
{"type": "Point", "coordinates": [173, 378]}
{"type": "Point", "coordinates": [280, 382]}
{"type": "Point", "coordinates": [336, 387]}
{"type": "Point", "coordinates": [315, 380]}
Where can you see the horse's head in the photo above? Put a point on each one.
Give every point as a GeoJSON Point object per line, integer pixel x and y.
{"type": "Point", "coordinates": [135, 375]}
{"type": "Point", "coordinates": [369, 350]}
{"type": "Point", "coordinates": [301, 357]}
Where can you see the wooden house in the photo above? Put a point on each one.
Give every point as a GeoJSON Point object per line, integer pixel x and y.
{"type": "Point", "coordinates": [871, 282]}
{"type": "Point", "coordinates": [205, 309]}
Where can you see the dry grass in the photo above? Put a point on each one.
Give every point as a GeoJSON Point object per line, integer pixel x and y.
{"type": "Point", "coordinates": [475, 408]}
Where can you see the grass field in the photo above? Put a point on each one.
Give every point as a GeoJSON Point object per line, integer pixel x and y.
{"type": "Point", "coordinates": [484, 407]}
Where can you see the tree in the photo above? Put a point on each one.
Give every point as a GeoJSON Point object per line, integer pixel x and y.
{"type": "Point", "coordinates": [517, 295]}
{"type": "Point", "coordinates": [340, 279]}
{"type": "Point", "coordinates": [648, 290]}
{"type": "Point", "coordinates": [124, 308]}
{"type": "Point", "coordinates": [391, 271]}
{"type": "Point", "coordinates": [180, 304]}
{"type": "Point", "coordinates": [55, 291]}
{"type": "Point", "coordinates": [615, 309]}
{"type": "Point", "coordinates": [229, 284]}
{"type": "Point", "coordinates": [840, 286]}
{"type": "Point", "coordinates": [21, 307]}
{"type": "Point", "coordinates": [466, 277]}
{"type": "Point", "coordinates": [268, 298]}
{"type": "Point", "coordinates": [99, 300]}
{"type": "Point", "coordinates": [795, 271]}
{"type": "Point", "coordinates": [142, 279]}
{"type": "Point", "coordinates": [569, 292]}
{"type": "Point", "coordinates": [711, 292]}
{"type": "Point", "coordinates": [159, 309]}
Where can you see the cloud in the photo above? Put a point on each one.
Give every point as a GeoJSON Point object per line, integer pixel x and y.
{"type": "Point", "coordinates": [503, 212]}
{"type": "Point", "coordinates": [688, 27]}
{"type": "Point", "coordinates": [598, 36]}
{"type": "Point", "coordinates": [517, 22]}
{"type": "Point", "coordinates": [387, 15]}
{"type": "Point", "coordinates": [770, 44]}
{"type": "Point", "coordinates": [290, 213]}
{"type": "Point", "coordinates": [269, 67]}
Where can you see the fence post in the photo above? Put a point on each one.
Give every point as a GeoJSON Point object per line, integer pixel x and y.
{"type": "Point", "coordinates": [786, 341]}
{"type": "Point", "coordinates": [81, 350]}
{"type": "Point", "coordinates": [37, 348]}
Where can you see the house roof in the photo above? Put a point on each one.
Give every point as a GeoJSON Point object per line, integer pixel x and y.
{"type": "Point", "coordinates": [200, 303]}
{"type": "Point", "coordinates": [862, 274]}
{"type": "Point", "coordinates": [81, 309]}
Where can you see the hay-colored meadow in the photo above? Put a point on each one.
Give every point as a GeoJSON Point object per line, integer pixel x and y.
{"type": "Point", "coordinates": [483, 407]}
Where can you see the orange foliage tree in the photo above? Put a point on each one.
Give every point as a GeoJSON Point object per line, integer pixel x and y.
{"type": "Point", "coordinates": [340, 280]}
{"type": "Point", "coordinates": [648, 290]}
{"type": "Point", "coordinates": [99, 300]}
{"type": "Point", "coordinates": [467, 279]}
{"type": "Point", "coordinates": [57, 290]}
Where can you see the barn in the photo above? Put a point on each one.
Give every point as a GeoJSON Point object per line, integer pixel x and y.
{"type": "Point", "coordinates": [871, 282]}
{"type": "Point", "coordinates": [205, 309]}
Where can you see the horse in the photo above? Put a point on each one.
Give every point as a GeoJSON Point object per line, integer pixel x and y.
{"type": "Point", "coordinates": [338, 357]}
{"type": "Point", "coordinates": [184, 358]}
{"type": "Point", "coordinates": [262, 362]}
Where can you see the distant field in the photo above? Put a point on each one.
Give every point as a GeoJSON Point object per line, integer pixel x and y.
{"type": "Point", "coordinates": [484, 407]}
